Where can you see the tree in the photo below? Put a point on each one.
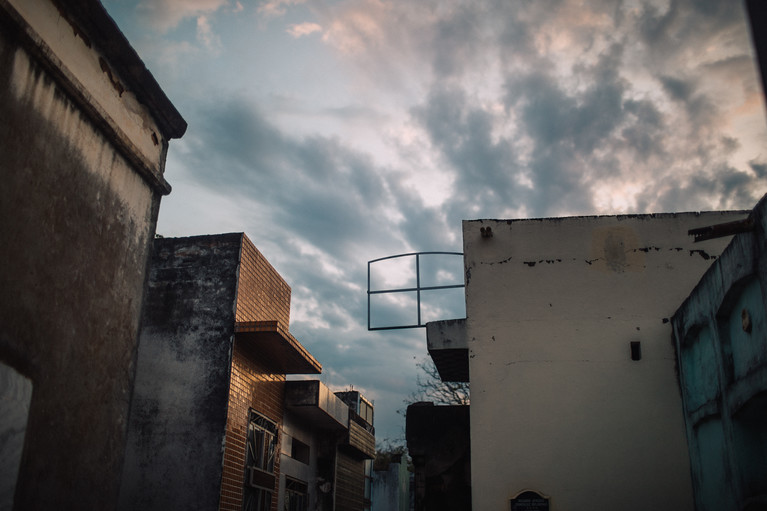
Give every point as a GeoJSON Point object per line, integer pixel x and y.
{"type": "Point", "coordinates": [432, 388]}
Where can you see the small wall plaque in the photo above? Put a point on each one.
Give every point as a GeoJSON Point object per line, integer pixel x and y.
{"type": "Point", "coordinates": [530, 500]}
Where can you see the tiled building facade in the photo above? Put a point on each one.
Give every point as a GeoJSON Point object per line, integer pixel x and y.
{"type": "Point", "coordinates": [212, 369]}
{"type": "Point", "coordinates": [257, 385]}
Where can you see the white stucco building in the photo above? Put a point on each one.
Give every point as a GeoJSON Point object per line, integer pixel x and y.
{"type": "Point", "coordinates": [568, 348]}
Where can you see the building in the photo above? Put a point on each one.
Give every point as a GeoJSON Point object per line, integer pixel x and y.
{"type": "Point", "coordinates": [567, 347]}
{"type": "Point", "coordinates": [358, 457]}
{"type": "Point", "coordinates": [214, 424]}
{"type": "Point", "coordinates": [335, 445]}
{"type": "Point", "coordinates": [720, 335]}
{"type": "Point", "coordinates": [438, 440]}
{"type": "Point", "coordinates": [391, 482]}
{"type": "Point", "coordinates": [83, 140]}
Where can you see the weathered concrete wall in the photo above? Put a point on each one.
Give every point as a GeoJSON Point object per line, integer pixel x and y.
{"type": "Point", "coordinates": [391, 488]}
{"type": "Point", "coordinates": [438, 440]}
{"type": "Point", "coordinates": [179, 410]}
{"type": "Point", "coordinates": [79, 201]}
{"type": "Point", "coordinates": [558, 405]}
{"type": "Point", "coordinates": [721, 342]}
{"type": "Point", "coordinates": [302, 470]}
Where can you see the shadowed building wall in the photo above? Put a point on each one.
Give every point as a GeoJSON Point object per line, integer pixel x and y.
{"type": "Point", "coordinates": [83, 140]}
{"type": "Point", "coordinates": [215, 349]}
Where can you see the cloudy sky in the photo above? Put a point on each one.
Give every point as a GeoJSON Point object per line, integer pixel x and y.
{"type": "Point", "coordinates": [336, 132]}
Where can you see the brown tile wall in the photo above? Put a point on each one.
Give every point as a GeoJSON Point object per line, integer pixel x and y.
{"type": "Point", "coordinates": [252, 386]}
{"type": "Point", "coordinates": [262, 295]}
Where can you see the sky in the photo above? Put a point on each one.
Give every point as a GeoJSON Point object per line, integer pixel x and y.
{"type": "Point", "coordinates": [335, 132]}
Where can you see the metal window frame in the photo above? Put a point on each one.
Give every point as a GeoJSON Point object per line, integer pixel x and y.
{"type": "Point", "coordinates": [416, 289]}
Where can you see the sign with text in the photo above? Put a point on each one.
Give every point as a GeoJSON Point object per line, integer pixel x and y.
{"type": "Point", "coordinates": [530, 501]}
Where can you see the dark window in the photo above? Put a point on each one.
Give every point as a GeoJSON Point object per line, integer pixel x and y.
{"type": "Point", "coordinates": [299, 451]}
{"type": "Point", "coordinates": [259, 463]}
{"type": "Point", "coordinates": [296, 495]}
{"type": "Point", "coordinates": [368, 483]}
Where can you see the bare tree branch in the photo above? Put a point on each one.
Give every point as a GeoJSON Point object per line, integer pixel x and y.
{"type": "Point", "coordinates": [432, 388]}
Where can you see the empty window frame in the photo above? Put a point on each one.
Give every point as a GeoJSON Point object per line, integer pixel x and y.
{"type": "Point", "coordinates": [296, 495]}
{"type": "Point", "coordinates": [259, 463]}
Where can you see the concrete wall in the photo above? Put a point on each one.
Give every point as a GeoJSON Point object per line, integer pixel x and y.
{"type": "Point", "coordinates": [721, 341]}
{"type": "Point", "coordinates": [557, 403]}
{"type": "Point", "coordinates": [179, 409]}
{"type": "Point", "coordinates": [391, 488]}
{"type": "Point", "coordinates": [83, 140]}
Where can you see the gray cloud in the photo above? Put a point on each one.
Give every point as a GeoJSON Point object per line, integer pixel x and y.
{"type": "Point", "coordinates": [536, 108]}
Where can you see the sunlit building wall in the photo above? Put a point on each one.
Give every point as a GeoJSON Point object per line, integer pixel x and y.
{"type": "Point", "coordinates": [567, 347]}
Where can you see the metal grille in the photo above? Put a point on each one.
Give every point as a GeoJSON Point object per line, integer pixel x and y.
{"type": "Point", "coordinates": [417, 289]}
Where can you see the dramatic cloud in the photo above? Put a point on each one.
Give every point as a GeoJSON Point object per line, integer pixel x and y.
{"type": "Point", "coordinates": [398, 119]}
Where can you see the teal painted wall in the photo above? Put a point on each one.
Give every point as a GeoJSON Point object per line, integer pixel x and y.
{"type": "Point", "coordinates": [720, 335]}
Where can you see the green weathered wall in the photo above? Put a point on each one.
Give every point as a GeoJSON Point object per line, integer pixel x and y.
{"type": "Point", "coordinates": [720, 334]}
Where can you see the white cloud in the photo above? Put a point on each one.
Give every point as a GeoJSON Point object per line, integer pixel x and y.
{"type": "Point", "coordinates": [164, 15]}
{"type": "Point", "coordinates": [275, 8]}
{"type": "Point", "coordinates": [205, 34]}
{"type": "Point", "coordinates": [303, 29]}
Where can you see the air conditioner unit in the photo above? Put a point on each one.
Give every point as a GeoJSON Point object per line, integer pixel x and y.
{"type": "Point", "coordinates": [260, 478]}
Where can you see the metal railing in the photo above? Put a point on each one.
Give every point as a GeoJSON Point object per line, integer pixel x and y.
{"type": "Point", "coordinates": [417, 289]}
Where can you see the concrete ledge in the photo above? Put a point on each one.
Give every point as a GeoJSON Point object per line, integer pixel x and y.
{"type": "Point", "coordinates": [449, 348]}
{"type": "Point", "coordinates": [314, 402]}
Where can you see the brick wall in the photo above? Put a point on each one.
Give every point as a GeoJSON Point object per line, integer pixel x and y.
{"type": "Point", "coordinates": [262, 295]}
{"type": "Point", "coordinates": [252, 386]}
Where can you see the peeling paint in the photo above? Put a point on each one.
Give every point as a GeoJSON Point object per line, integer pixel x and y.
{"type": "Point", "coordinates": [114, 81]}
{"type": "Point", "coordinates": [701, 253]}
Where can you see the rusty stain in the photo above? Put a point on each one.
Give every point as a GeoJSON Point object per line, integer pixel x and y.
{"type": "Point", "coordinates": [114, 81]}
{"type": "Point", "coordinates": [745, 319]}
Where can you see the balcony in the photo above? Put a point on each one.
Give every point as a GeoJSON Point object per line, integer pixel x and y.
{"type": "Point", "coordinates": [276, 345]}
{"type": "Point", "coordinates": [361, 441]}
{"type": "Point", "coordinates": [449, 348]}
{"type": "Point", "coordinates": [315, 403]}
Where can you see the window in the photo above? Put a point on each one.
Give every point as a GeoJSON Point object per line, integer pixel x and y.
{"type": "Point", "coordinates": [259, 463]}
{"type": "Point", "coordinates": [299, 451]}
{"type": "Point", "coordinates": [368, 483]}
{"type": "Point", "coordinates": [296, 495]}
